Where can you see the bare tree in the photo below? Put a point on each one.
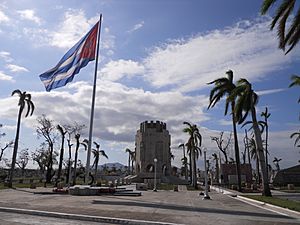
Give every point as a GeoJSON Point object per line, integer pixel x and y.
{"type": "Point", "coordinates": [46, 130]}
{"type": "Point", "coordinates": [42, 157]}
{"type": "Point", "coordinates": [22, 160]}
{"type": "Point", "coordinates": [74, 129]}
{"type": "Point", "coordinates": [223, 146]}
{"type": "Point", "coordinates": [7, 145]}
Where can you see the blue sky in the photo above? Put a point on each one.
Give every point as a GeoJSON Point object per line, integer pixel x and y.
{"type": "Point", "coordinates": [155, 60]}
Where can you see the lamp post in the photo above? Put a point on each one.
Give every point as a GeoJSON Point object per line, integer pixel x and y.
{"type": "Point", "coordinates": [155, 161]}
{"type": "Point", "coordinates": [206, 196]}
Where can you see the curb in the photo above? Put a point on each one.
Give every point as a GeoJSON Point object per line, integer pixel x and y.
{"type": "Point", "coordinates": [221, 190]}
{"type": "Point", "coordinates": [274, 208]}
{"type": "Point", "coordinates": [81, 217]}
{"type": "Point", "coordinates": [263, 205]}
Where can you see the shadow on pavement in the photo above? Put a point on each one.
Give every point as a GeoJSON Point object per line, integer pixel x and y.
{"type": "Point", "coordinates": [187, 208]}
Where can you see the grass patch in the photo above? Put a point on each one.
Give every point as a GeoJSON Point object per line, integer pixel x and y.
{"type": "Point", "coordinates": [166, 187]}
{"type": "Point", "coordinates": [285, 203]}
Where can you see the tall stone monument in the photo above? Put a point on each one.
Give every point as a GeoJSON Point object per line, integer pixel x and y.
{"type": "Point", "coordinates": [152, 140]}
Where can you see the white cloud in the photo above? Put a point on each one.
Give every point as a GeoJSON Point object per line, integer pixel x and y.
{"type": "Point", "coordinates": [3, 18]}
{"type": "Point", "coordinates": [5, 77]}
{"type": "Point", "coordinates": [38, 36]}
{"type": "Point", "coordinates": [119, 109]}
{"type": "Point", "coordinates": [73, 27]}
{"type": "Point", "coordinates": [6, 56]}
{"type": "Point", "coordinates": [107, 42]}
{"type": "Point", "coordinates": [15, 68]}
{"type": "Point", "coordinates": [271, 91]}
{"type": "Point", "coordinates": [136, 27]}
{"type": "Point", "coordinates": [248, 47]}
{"type": "Point", "coordinates": [29, 14]}
{"type": "Point", "coordinates": [225, 122]}
{"type": "Point", "coordinates": [114, 70]}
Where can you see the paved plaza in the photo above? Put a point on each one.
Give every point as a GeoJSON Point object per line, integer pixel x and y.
{"type": "Point", "coordinates": [162, 207]}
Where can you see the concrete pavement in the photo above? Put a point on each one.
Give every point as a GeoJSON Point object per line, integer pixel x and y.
{"type": "Point", "coordinates": [162, 207]}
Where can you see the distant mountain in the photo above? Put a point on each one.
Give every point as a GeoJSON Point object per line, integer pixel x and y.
{"type": "Point", "coordinates": [117, 165]}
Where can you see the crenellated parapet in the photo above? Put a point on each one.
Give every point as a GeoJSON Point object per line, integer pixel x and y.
{"type": "Point", "coordinates": [157, 125]}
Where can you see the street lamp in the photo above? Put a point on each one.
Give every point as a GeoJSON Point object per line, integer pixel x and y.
{"type": "Point", "coordinates": [155, 161]}
{"type": "Point", "coordinates": [206, 196]}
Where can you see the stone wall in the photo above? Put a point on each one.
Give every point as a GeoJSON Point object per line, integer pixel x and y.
{"type": "Point", "coordinates": [288, 176]}
{"type": "Point", "coordinates": [153, 141]}
{"type": "Point", "coordinates": [228, 173]}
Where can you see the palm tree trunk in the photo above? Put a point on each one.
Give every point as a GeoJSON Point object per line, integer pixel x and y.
{"type": "Point", "coordinates": [75, 165]}
{"type": "Point", "coordinates": [194, 170]}
{"type": "Point", "coordinates": [257, 171]}
{"type": "Point", "coordinates": [96, 168]}
{"type": "Point", "coordinates": [217, 170]}
{"type": "Point", "coordinates": [185, 166]}
{"type": "Point", "coordinates": [267, 134]}
{"type": "Point", "coordinates": [128, 163]}
{"type": "Point", "coordinates": [61, 157]}
{"type": "Point", "coordinates": [248, 151]}
{"type": "Point", "coordinates": [50, 164]}
{"type": "Point", "coordinates": [260, 152]}
{"type": "Point", "coordinates": [132, 166]}
{"type": "Point", "coordinates": [236, 149]}
{"type": "Point", "coordinates": [191, 174]}
{"type": "Point", "coordinates": [16, 144]}
{"type": "Point", "coordinates": [69, 164]}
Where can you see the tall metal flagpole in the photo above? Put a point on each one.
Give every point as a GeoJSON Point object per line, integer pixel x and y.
{"type": "Point", "coordinates": [88, 158]}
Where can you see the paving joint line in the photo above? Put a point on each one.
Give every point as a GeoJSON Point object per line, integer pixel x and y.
{"type": "Point", "coordinates": [81, 217]}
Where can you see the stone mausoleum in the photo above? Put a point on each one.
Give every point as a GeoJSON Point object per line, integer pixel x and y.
{"type": "Point", "coordinates": [152, 140]}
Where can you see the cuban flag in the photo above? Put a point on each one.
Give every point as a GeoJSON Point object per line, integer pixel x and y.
{"type": "Point", "coordinates": [71, 63]}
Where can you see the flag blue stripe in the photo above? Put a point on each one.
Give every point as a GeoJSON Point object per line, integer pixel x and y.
{"type": "Point", "coordinates": [64, 81]}
{"type": "Point", "coordinates": [62, 74]}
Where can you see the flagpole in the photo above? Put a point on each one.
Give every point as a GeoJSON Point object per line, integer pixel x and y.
{"type": "Point", "coordinates": [88, 159]}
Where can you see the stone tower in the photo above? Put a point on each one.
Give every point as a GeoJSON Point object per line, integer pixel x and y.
{"type": "Point", "coordinates": [152, 141]}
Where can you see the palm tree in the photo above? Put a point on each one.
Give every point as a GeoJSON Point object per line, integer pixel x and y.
{"type": "Point", "coordinates": [297, 135]}
{"type": "Point", "coordinates": [77, 137]}
{"type": "Point", "coordinates": [97, 153]}
{"type": "Point", "coordinates": [253, 155]}
{"type": "Point", "coordinates": [246, 144]}
{"type": "Point", "coordinates": [295, 81]}
{"type": "Point", "coordinates": [129, 158]}
{"type": "Point", "coordinates": [184, 160]}
{"type": "Point", "coordinates": [193, 145]}
{"type": "Point", "coordinates": [280, 18]}
{"type": "Point", "coordinates": [85, 144]}
{"type": "Point", "coordinates": [24, 100]}
{"type": "Point", "coordinates": [61, 156]}
{"type": "Point", "coordinates": [215, 157]}
{"type": "Point", "coordinates": [266, 115]}
{"type": "Point", "coordinates": [246, 102]}
{"type": "Point", "coordinates": [276, 163]}
{"type": "Point", "coordinates": [225, 86]}
{"type": "Point", "coordinates": [190, 162]}
{"type": "Point", "coordinates": [132, 157]}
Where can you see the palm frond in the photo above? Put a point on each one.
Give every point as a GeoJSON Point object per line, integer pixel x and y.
{"type": "Point", "coordinates": [266, 5]}
{"type": "Point", "coordinates": [296, 80]}
{"type": "Point", "coordinates": [102, 152]}
{"type": "Point", "coordinates": [292, 36]}
{"type": "Point", "coordinates": [282, 25]}
{"type": "Point", "coordinates": [17, 91]}
{"type": "Point", "coordinates": [96, 144]}
{"type": "Point", "coordinates": [181, 145]}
